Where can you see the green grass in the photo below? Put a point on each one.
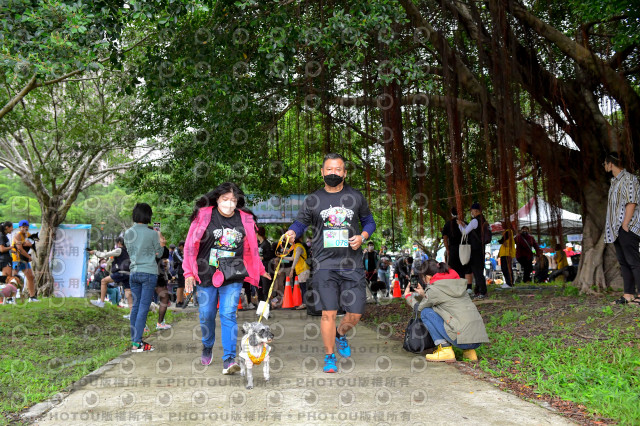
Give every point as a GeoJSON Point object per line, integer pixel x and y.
{"type": "Point", "coordinates": [602, 375]}
{"type": "Point", "coordinates": [47, 346]}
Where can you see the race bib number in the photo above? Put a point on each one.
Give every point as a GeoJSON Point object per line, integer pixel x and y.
{"type": "Point", "coordinates": [336, 238]}
{"type": "Point", "coordinates": [218, 254]}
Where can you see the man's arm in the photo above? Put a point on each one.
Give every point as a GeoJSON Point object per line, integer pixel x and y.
{"type": "Point", "coordinates": [112, 253]}
{"type": "Point", "coordinates": [303, 220]}
{"type": "Point", "coordinates": [368, 226]}
{"type": "Point", "coordinates": [470, 227]}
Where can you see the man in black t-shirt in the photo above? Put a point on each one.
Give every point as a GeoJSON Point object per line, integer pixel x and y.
{"type": "Point", "coordinates": [336, 213]}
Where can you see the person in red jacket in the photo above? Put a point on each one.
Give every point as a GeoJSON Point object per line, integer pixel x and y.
{"type": "Point", "coordinates": [220, 253]}
{"type": "Point", "coordinates": [525, 244]}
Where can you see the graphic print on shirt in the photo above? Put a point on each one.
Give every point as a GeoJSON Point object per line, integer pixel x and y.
{"type": "Point", "coordinates": [336, 219]}
{"type": "Point", "coordinates": [227, 241]}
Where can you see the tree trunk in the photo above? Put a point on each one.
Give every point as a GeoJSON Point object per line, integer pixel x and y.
{"type": "Point", "coordinates": [43, 273]}
{"type": "Point", "coordinates": [599, 268]}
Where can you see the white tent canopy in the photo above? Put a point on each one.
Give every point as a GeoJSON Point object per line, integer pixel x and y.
{"type": "Point", "coordinates": [528, 216]}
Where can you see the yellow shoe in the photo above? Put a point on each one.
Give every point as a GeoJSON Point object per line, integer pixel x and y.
{"type": "Point", "coordinates": [442, 354]}
{"type": "Point", "coordinates": [470, 354]}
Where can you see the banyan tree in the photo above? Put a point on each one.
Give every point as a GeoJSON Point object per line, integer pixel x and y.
{"type": "Point", "coordinates": [437, 102]}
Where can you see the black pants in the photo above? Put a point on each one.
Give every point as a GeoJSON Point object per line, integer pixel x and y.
{"type": "Point", "coordinates": [527, 268]}
{"type": "Point", "coordinates": [628, 256]}
{"type": "Point", "coordinates": [477, 269]}
{"type": "Point", "coordinates": [542, 275]}
{"type": "Point", "coordinates": [507, 271]}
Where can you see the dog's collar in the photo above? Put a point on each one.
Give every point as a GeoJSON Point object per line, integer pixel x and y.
{"type": "Point", "coordinates": [258, 361]}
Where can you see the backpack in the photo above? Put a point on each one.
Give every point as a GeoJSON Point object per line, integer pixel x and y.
{"type": "Point", "coordinates": [417, 338]}
{"type": "Point", "coordinates": [486, 233]}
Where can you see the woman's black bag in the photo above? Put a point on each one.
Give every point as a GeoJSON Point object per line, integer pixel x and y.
{"type": "Point", "coordinates": [417, 338]}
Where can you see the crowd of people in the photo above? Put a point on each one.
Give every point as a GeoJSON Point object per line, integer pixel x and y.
{"type": "Point", "coordinates": [15, 260]}
{"type": "Point", "coordinates": [226, 256]}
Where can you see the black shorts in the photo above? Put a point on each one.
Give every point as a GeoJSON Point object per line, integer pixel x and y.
{"type": "Point", "coordinates": [5, 262]}
{"type": "Point", "coordinates": [346, 289]}
{"type": "Point", "coordinates": [121, 279]}
{"type": "Point", "coordinates": [162, 281]}
{"type": "Point", "coordinates": [180, 281]}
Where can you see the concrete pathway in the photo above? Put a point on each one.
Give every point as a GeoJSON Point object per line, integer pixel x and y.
{"type": "Point", "coordinates": [381, 384]}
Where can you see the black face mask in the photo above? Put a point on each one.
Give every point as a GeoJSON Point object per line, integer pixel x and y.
{"type": "Point", "coordinates": [333, 180]}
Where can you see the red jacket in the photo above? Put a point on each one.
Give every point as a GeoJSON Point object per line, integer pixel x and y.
{"type": "Point", "coordinates": [451, 275]}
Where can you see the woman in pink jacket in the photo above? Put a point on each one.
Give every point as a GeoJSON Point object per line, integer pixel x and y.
{"type": "Point", "coordinates": [220, 253]}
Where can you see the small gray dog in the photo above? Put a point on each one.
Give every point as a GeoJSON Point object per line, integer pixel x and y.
{"type": "Point", "coordinates": [254, 350]}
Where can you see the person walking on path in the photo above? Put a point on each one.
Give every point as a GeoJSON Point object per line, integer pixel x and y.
{"type": "Point", "coordinates": [452, 237]}
{"type": "Point", "coordinates": [525, 244]}
{"type": "Point", "coordinates": [162, 289]}
{"type": "Point", "coordinates": [447, 312]}
{"type": "Point", "coordinates": [145, 247]}
{"type": "Point", "coordinates": [177, 267]}
{"type": "Point", "coordinates": [479, 233]}
{"type": "Point", "coordinates": [370, 261]}
{"type": "Point", "coordinates": [384, 265]}
{"type": "Point", "coordinates": [220, 253]}
{"type": "Point", "coordinates": [622, 226]}
{"type": "Point", "coordinates": [506, 254]}
{"type": "Point", "coordinates": [336, 213]}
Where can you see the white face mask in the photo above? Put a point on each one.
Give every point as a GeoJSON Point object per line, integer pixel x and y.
{"type": "Point", "coordinates": [227, 207]}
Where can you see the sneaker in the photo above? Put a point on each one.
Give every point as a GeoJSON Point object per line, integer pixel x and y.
{"type": "Point", "coordinates": [505, 286]}
{"type": "Point", "coordinates": [251, 306]}
{"type": "Point", "coordinates": [9, 301]}
{"type": "Point", "coordinates": [99, 303]}
{"type": "Point", "coordinates": [343, 347]}
{"type": "Point", "coordinates": [128, 316]}
{"type": "Point", "coordinates": [479, 296]}
{"type": "Point", "coordinates": [330, 364]}
{"type": "Point", "coordinates": [206, 356]}
{"type": "Point", "coordinates": [162, 326]}
{"type": "Point", "coordinates": [142, 347]}
{"type": "Point", "coordinates": [230, 366]}
{"type": "Point", "coordinates": [442, 354]}
{"type": "Point", "coordinates": [469, 291]}
{"type": "Point", "coordinates": [33, 299]}
{"type": "Point", "coordinates": [470, 354]}
{"type": "Point", "coordinates": [146, 329]}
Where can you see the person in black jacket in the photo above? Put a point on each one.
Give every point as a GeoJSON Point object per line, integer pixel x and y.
{"type": "Point", "coordinates": [475, 230]}
{"type": "Point", "coordinates": [161, 289]}
{"type": "Point", "coordinates": [452, 237]}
